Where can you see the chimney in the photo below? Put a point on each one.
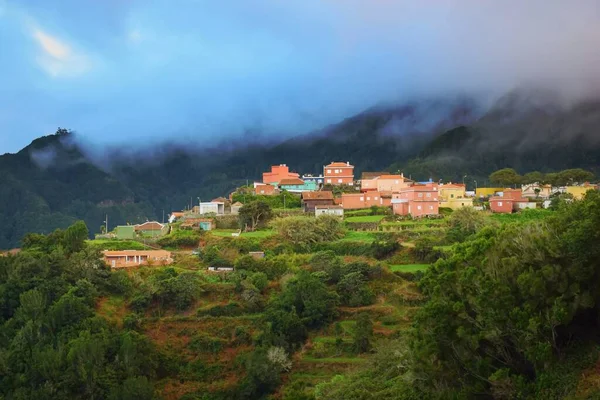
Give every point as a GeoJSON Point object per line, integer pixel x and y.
{"type": "Point", "coordinates": [347, 162]}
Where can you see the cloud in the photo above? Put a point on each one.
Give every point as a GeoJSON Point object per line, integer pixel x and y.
{"type": "Point", "coordinates": [57, 58]}
{"type": "Point", "coordinates": [208, 71]}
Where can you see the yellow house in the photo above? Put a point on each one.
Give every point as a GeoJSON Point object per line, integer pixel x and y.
{"type": "Point", "coordinates": [456, 203]}
{"type": "Point", "coordinates": [486, 192]}
{"type": "Point", "coordinates": [453, 196]}
{"type": "Point", "coordinates": [579, 191]}
{"type": "Point", "coordinates": [451, 191]}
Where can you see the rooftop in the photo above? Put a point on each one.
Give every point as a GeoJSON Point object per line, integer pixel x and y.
{"type": "Point", "coordinates": [322, 195]}
{"type": "Point", "coordinates": [291, 181]}
{"type": "Point", "coordinates": [329, 206]}
{"type": "Point", "coordinates": [339, 164]}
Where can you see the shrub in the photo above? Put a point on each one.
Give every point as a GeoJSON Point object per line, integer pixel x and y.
{"type": "Point", "coordinates": [203, 343]}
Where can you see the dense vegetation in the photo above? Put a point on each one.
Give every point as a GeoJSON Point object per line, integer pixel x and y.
{"type": "Point", "coordinates": [508, 310]}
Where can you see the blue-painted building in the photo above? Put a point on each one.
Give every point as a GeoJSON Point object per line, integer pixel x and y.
{"type": "Point", "coordinates": [297, 185]}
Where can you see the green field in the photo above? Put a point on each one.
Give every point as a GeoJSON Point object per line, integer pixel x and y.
{"type": "Point", "coordinates": [255, 234]}
{"type": "Point", "coordinates": [113, 244]}
{"type": "Point", "coordinates": [359, 236]}
{"type": "Point", "coordinates": [365, 218]}
{"type": "Point", "coordinates": [522, 216]}
{"type": "Point", "coordinates": [409, 267]}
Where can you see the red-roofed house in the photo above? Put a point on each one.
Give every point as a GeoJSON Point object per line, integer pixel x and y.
{"type": "Point", "coordinates": [267, 190]}
{"type": "Point", "coordinates": [511, 200]}
{"type": "Point", "coordinates": [278, 173]}
{"type": "Point", "coordinates": [338, 173]}
{"type": "Point", "coordinates": [417, 200]}
{"type": "Point", "coordinates": [312, 199]}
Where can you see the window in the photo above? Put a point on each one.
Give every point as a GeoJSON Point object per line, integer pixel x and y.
{"type": "Point", "coordinates": [362, 198]}
{"type": "Point", "coordinates": [337, 171]}
{"type": "Point", "coordinates": [375, 197]}
{"type": "Point", "coordinates": [340, 180]}
{"type": "Point", "coordinates": [499, 204]}
{"type": "Point", "coordinates": [428, 194]}
{"type": "Point", "coordinates": [396, 182]}
{"type": "Point", "coordinates": [368, 198]}
{"type": "Point", "coordinates": [418, 207]}
{"type": "Point", "coordinates": [451, 196]}
{"type": "Point", "coordinates": [431, 207]}
{"type": "Point", "coordinates": [328, 180]}
{"type": "Point", "coordinates": [328, 171]}
{"type": "Point", "coordinates": [420, 194]}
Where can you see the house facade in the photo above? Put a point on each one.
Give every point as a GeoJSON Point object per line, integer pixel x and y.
{"type": "Point", "coordinates": [535, 191]}
{"type": "Point", "coordinates": [337, 211]}
{"type": "Point", "coordinates": [278, 173]}
{"type": "Point", "coordinates": [235, 208]}
{"type": "Point", "coordinates": [311, 178]}
{"type": "Point", "coordinates": [132, 258]}
{"type": "Point", "coordinates": [312, 199]}
{"type": "Point", "coordinates": [579, 192]}
{"type": "Point", "coordinates": [356, 201]}
{"type": "Point", "coordinates": [487, 191]}
{"type": "Point", "coordinates": [338, 173]}
{"type": "Point", "coordinates": [453, 195]}
{"type": "Point", "coordinates": [417, 201]}
{"type": "Point", "coordinates": [385, 183]}
{"type": "Point", "coordinates": [210, 207]}
{"type": "Point", "coordinates": [297, 185]}
{"type": "Point", "coordinates": [510, 200]}
{"type": "Point", "coordinates": [124, 232]}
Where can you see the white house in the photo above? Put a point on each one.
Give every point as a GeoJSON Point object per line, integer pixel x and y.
{"type": "Point", "coordinates": [336, 210]}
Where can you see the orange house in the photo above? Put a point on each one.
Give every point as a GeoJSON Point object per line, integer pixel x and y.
{"type": "Point", "coordinates": [355, 201]}
{"type": "Point", "coordinates": [132, 258]}
{"type": "Point", "coordinates": [338, 173]}
{"type": "Point", "coordinates": [385, 183]}
{"type": "Point", "coordinates": [278, 173]}
{"type": "Point", "coordinates": [416, 201]}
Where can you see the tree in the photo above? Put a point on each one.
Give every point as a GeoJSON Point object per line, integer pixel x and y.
{"type": "Point", "coordinates": [254, 214]}
{"type": "Point", "coordinates": [363, 333]}
{"type": "Point", "coordinates": [463, 223]}
{"type": "Point", "coordinates": [505, 177]}
{"type": "Point", "coordinates": [533, 177]}
{"type": "Point", "coordinates": [75, 237]}
{"type": "Point", "coordinates": [573, 176]}
{"type": "Point", "coordinates": [304, 232]}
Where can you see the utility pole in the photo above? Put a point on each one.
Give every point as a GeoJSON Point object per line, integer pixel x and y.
{"type": "Point", "coordinates": [163, 216]}
{"type": "Point", "coordinates": [199, 211]}
{"type": "Point", "coordinates": [464, 179]}
{"type": "Point", "coordinates": [475, 184]}
{"type": "Point", "coordinates": [106, 222]}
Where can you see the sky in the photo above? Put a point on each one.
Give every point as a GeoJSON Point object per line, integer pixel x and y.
{"type": "Point", "coordinates": [135, 72]}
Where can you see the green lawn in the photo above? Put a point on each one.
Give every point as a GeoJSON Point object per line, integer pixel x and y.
{"type": "Point", "coordinates": [365, 218]}
{"type": "Point", "coordinates": [114, 244]}
{"type": "Point", "coordinates": [409, 267]}
{"type": "Point", "coordinates": [359, 236]}
{"type": "Point", "coordinates": [255, 234]}
{"type": "Point", "coordinates": [522, 216]}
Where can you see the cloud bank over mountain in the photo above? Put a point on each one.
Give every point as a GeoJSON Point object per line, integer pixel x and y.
{"type": "Point", "coordinates": [137, 71]}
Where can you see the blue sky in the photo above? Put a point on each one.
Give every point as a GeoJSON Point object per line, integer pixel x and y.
{"type": "Point", "coordinates": [119, 71]}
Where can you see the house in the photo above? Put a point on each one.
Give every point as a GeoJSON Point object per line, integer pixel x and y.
{"type": "Point", "coordinates": [453, 195]}
{"type": "Point", "coordinates": [337, 211]}
{"type": "Point", "coordinates": [339, 173]}
{"type": "Point", "coordinates": [487, 191]}
{"type": "Point", "coordinates": [132, 258]}
{"type": "Point", "coordinates": [220, 200]}
{"type": "Point", "coordinates": [266, 190]}
{"type": "Point", "coordinates": [175, 215]}
{"type": "Point", "coordinates": [370, 175]}
{"type": "Point", "coordinates": [385, 183]}
{"type": "Point", "coordinates": [235, 208]}
{"type": "Point", "coordinates": [310, 178]}
{"type": "Point", "coordinates": [312, 199]}
{"type": "Point", "coordinates": [278, 173]}
{"type": "Point", "coordinates": [206, 224]}
{"type": "Point", "coordinates": [508, 200]}
{"type": "Point", "coordinates": [535, 190]}
{"type": "Point", "coordinates": [417, 201]}
{"type": "Point", "coordinates": [151, 228]}
{"type": "Point", "coordinates": [210, 207]}
{"type": "Point", "coordinates": [355, 201]}
{"type": "Point", "coordinates": [297, 185]}
{"type": "Point", "coordinates": [579, 192]}
{"type": "Point", "coordinates": [124, 232]}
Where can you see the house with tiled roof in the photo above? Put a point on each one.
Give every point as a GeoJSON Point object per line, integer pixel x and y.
{"type": "Point", "coordinates": [339, 173]}
{"type": "Point", "coordinates": [311, 199]}
{"type": "Point", "coordinates": [509, 200]}
{"type": "Point", "coordinates": [296, 185]}
{"type": "Point", "coordinates": [417, 201]}
{"type": "Point", "coordinates": [385, 183]}
{"type": "Point", "coordinates": [151, 228]}
{"type": "Point", "coordinates": [278, 173]}
{"type": "Point", "coordinates": [453, 195]}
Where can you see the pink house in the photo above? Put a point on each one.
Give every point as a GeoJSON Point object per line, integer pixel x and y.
{"type": "Point", "coordinates": [278, 173]}
{"type": "Point", "coordinates": [416, 201]}
{"type": "Point", "coordinates": [385, 183]}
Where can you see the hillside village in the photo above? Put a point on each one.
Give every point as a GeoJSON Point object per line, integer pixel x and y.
{"type": "Point", "coordinates": [336, 192]}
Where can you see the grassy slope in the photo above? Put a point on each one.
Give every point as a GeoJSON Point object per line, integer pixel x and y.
{"type": "Point", "coordinates": [365, 218]}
